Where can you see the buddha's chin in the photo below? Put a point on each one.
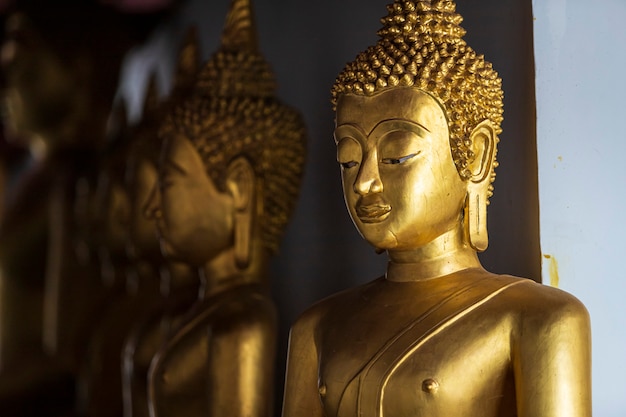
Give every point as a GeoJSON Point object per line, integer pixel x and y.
{"type": "Point", "coordinates": [382, 240]}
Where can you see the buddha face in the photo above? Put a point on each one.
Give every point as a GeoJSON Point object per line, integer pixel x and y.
{"type": "Point", "coordinates": [141, 179]}
{"type": "Point", "coordinates": [112, 213]}
{"type": "Point", "coordinates": [400, 183]}
{"type": "Point", "coordinates": [39, 86]}
{"type": "Point", "coordinates": [194, 219]}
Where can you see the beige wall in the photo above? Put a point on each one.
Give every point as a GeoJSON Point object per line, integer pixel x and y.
{"type": "Point", "coordinates": [580, 106]}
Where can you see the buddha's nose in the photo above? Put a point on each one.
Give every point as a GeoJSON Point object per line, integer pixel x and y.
{"type": "Point", "coordinates": [152, 206]}
{"type": "Point", "coordinates": [368, 178]}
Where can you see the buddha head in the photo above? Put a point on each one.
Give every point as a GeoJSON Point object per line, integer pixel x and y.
{"type": "Point", "coordinates": [232, 158]}
{"type": "Point", "coordinates": [59, 90]}
{"type": "Point", "coordinates": [100, 199]}
{"type": "Point", "coordinates": [141, 176]}
{"type": "Point", "coordinates": [112, 205]}
{"type": "Point", "coordinates": [418, 119]}
{"type": "Point", "coordinates": [141, 172]}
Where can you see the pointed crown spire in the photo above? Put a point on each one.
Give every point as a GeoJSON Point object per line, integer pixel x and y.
{"type": "Point", "coordinates": [237, 69]}
{"type": "Point", "coordinates": [188, 61]}
{"type": "Point", "coordinates": [239, 30]}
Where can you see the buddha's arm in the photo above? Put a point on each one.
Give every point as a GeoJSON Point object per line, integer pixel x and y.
{"type": "Point", "coordinates": [241, 366]}
{"type": "Point", "coordinates": [301, 382]}
{"type": "Point", "coordinates": [218, 365]}
{"type": "Point", "coordinates": [552, 359]}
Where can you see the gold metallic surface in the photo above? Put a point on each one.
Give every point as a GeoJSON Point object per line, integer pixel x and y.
{"type": "Point", "coordinates": [27, 54]}
{"type": "Point", "coordinates": [228, 180]}
{"type": "Point", "coordinates": [437, 335]}
{"type": "Point", "coordinates": [56, 101]}
{"type": "Point", "coordinates": [57, 98]}
{"type": "Point", "coordinates": [128, 293]}
{"type": "Point", "coordinates": [178, 282]}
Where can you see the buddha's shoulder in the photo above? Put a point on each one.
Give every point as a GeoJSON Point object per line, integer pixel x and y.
{"type": "Point", "coordinates": [536, 293]}
{"type": "Point", "coordinates": [242, 307]}
{"type": "Point", "coordinates": [533, 301]}
{"type": "Point", "coordinates": [339, 301]}
{"type": "Point", "coordinates": [505, 296]}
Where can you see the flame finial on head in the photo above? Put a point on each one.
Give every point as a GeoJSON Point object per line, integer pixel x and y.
{"type": "Point", "coordinates": [239, 30]}
{"type": "Point", "coordinates": [237, 69]}
{"type": "Point", "coordinates": [188, 62]}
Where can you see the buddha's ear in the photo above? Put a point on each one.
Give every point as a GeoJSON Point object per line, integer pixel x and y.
{"type": "Point", "coordinates": [483, 146]}
{"type": "Point", "coordinates": [483, 139]}
{"type": "Point", "coordinates": [240, 180]}
{"type": "Point", "coordinates": [240, 183]}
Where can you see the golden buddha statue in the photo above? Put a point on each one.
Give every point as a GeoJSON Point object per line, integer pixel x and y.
{"type": "Point", "coordinates": [57, 99]}
{"type": "Point", "coordinates": [126, 295]}
{"type": "Point", "coordinates": [229, 177]}
{"type": "Point", "coordinates": [178, 281]}
{"type": "Point", "coordinates": [46, 116]}
{"type": "Point", "coordinates": [417, 122]}
{"type": "Point", "coordinates": [140, 287]}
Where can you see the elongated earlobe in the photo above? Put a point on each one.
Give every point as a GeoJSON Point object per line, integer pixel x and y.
{"type": "Point", "coordinates": [240, 183]}
{"type": "Point", "coordinates": [483, 140]}
{"type": "Point", "coordinates": [242, 239]}
{"type": "Point", "coordinates": [476, 220]}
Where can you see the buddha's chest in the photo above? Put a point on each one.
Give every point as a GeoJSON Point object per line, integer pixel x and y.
{"type": "Point", "coordinates": [418, 364]}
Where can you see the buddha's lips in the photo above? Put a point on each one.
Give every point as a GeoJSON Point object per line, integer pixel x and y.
{"type": "Point", "coordinates": [373, 213]}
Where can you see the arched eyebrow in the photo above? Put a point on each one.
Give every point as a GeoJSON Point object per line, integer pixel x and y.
{"type": "Point", "coordinates": [348, 130]}
{"type": "Point", "coordinates": [392, 125]}
{"type": "Point", "coordinates": [381, 129]}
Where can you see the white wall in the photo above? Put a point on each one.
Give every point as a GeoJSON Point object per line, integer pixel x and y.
{"type": "Point", "coordinates": [580, 57]}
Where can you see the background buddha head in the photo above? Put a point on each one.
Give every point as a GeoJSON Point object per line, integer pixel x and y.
{"type": "Point", "coordinates": [421, 48]}
{"type": "Point", "coordinates": [112, 205]}
{"type": "Point", "coordinates": [141, 173]}
{"type": "Point", "coordinates": [233, 155]}
{"type": "Point", "coordinates": [58, 89]}
{"type": "Point", "coordinates": [141, 177]}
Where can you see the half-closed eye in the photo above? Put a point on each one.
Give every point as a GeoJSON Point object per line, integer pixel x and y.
{"type": "Point", "coordinates": [401, 160]}
{"type": "Point", "coordinates": [349, 164]}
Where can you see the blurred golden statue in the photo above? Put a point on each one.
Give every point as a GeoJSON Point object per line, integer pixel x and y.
{"type": "Point", "coordinates": [417, 120]}
{"type": "Point", "coordinates": [57, 101]}
{"type": "Point", "coordinates": [229, 177]}
{"type": "Point", "coordinates": [140, 289]}
{"type": "Point", "coordinates": [128, 292]}
{"type": "Point", "coordinates": [178, 282]}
